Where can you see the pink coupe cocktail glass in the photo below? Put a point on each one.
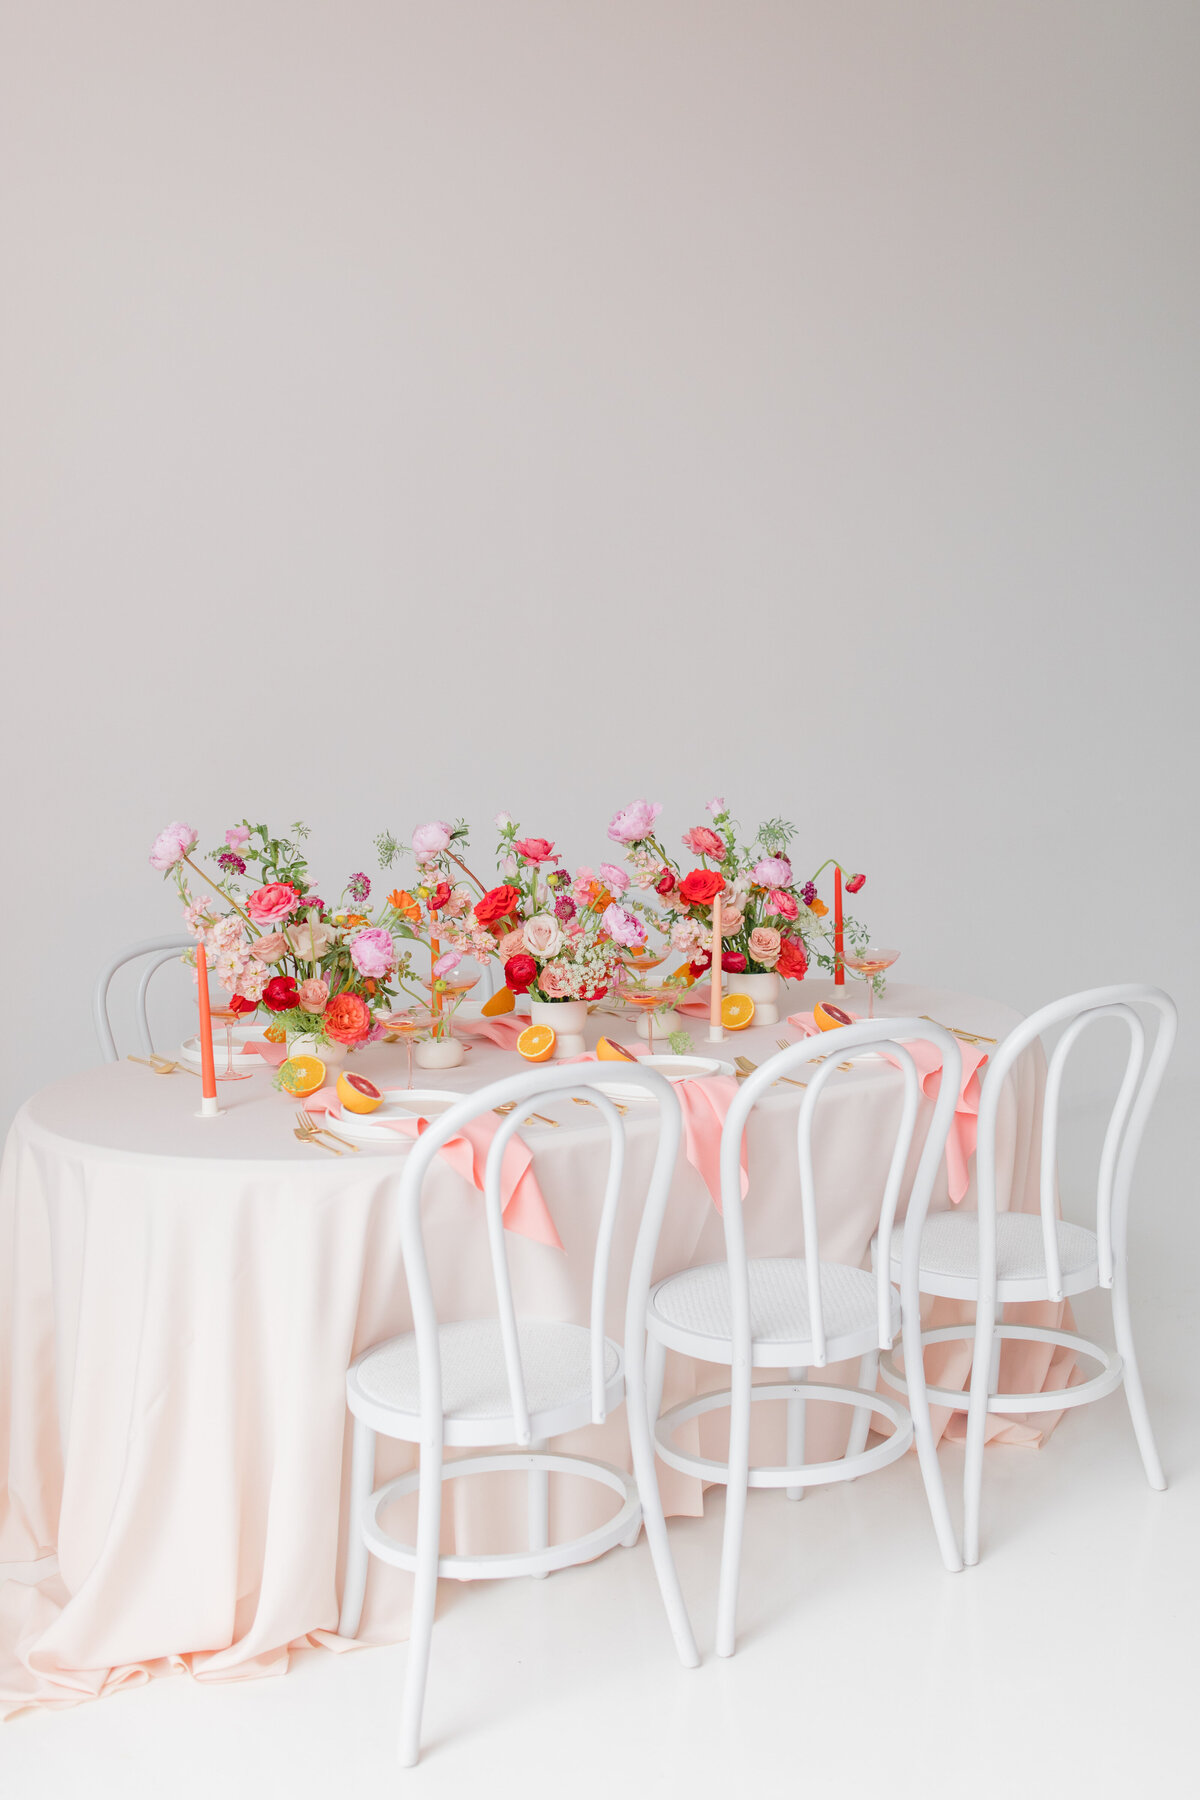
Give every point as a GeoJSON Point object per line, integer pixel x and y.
{"type": "Point", "coordinates": [867, 964]}
{"type": "Point", "coordinates": [406, 1028]}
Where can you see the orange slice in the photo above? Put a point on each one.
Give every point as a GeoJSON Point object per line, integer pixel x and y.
{"type": "Point", "coordinates": [275, 1034]}
{"type": "Point", "coordinates": [357, 1094]}
{"type": "Point", "coordinates": [829, 1017]}
{"type": "Point", "coordinates": [536, 1043]}
{"type": "Point", "coordinates": [609, 1051]}
{"type": "Point", "coordinates": [302, 1074]}
{"type": "Point", "coordinates": [737, 1011]}
{"type": "Point", "coordinates": [502, 1001]}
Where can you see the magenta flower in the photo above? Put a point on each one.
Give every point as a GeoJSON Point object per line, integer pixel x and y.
{"type": "Point", "coordinates": [227, 860]}
{"type": "Point", "coordinates": [854, 883]}
{"type": "Point", "coordinates": [359, 886]}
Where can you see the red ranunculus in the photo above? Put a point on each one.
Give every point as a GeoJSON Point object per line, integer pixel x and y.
{"type": "Point", "coordinates": [439, 896]}
{"type": "Point", "coordinates": [854, 883]}
{"type": "Point", "coordinates": [701, 887]}
{"type": "Point", "coordinates": [347, 1019]}
{"type": "Point", "coordinates": [697, 967]}
{"type": "Point", "coordinates": [666, 882]}
{"type": "Point", "coordinates": [497, 903]}
{"type": "Point", "coordinates": [280, 993]}
{"type": "Point", "coordinates": [734, 961]}
{"type": "Point", "coordinates": [535, 850]}
{"type": "Point", "coordinates": [238, 1004]}
{"type": "Point", "coordinates": [793, 962]}
{"type": "Point", "coordinates": [520, 973]}
{"type": "Point", "coordinates": [596, 994]}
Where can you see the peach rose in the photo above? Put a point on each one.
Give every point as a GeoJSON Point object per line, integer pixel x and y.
{"type": "Point", "coordinates": [511, 944]}
{"type": "Point", "coordinates": [555, 982]}
{"type": "Point", "coordinates": [270, 948]}
{"type": "Point", "coordinates": [313, 995]}
{"type": "Point", "coordinates": [764, 945]}
{"type": "Point", "coordinates": [731, 920]}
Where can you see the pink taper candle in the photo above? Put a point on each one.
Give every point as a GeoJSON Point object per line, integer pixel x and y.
{"type": "Point", "coordinates": [716, 1030]}
{"type": "Point", "coordinates": [208, 1072]}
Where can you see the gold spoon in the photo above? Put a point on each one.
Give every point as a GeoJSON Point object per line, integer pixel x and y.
{"type": "Point", "coordinates": [786, 1044]}
{"type": "Point", "coordinates": [162, 1066]}
{"type": "Point", "coordinates": [511, 1106]}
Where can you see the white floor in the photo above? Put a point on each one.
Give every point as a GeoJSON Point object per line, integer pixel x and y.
{"type": "Point", "coordinates": [1063, 1665]}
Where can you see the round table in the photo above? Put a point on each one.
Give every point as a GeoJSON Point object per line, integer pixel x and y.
{"type": "Point", "coordinates": [182, 1298]}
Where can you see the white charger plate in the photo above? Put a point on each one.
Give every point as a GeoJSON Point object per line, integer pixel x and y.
{"type": "Point", "coordinates": [398, 1103]}
{"type": "Point", "coordinates": [189, 1050]}
{"type": "Point", "coordinates": [675, 1068]}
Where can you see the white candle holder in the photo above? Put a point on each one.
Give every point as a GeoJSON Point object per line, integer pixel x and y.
{"type": "Point", "coordinates": [209, 1108]}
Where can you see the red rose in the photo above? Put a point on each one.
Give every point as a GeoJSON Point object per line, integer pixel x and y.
{"type": "Point", "coordinates": [734, 961]}
{"type": "Point", "coordinates": [701, 887]}
{"type": "Point", "coordinates": [238, 1005]}
{"type": "Point", "coordinates": [854, 883]}
{"type": "Point", "coordinates": [535, 850]}
{"type": "Point", "coordinates": [439, 896]}
{"type": "Point", "coordinates": [520, 973]}
{"type": "Point", "coordinates": [347, 1019]}
{"type": "Point", "coordinates": [280, 993]}
{"type": "Point", "coordinates": [497, 903]}
{"type": "Point", "coordinates": [596, 994]}
{"type": "Point", "coordinates": [665, 883]}
{"type": "Point", "coordinates": [793, 961]}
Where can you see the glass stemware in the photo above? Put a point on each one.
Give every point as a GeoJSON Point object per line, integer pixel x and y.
{"type": "Point", "coordinates": [228, 1018]}
{"type": "Point", "coordinates": [867, 963]}
{"type": "Point", "coordinates": [406, 1028]}
{"type": "Point", "coordinates": [647, 1000]}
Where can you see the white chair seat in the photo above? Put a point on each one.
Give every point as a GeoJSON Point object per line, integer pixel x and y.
{"type": "Point", "coordinates": [950, 1255]}
{"type": "Point", "coordinates": [690, 1312]}
{"type": "Point", "coordinates": [384, 1387]}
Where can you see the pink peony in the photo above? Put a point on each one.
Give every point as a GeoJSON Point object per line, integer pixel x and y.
{"type": "Point", "coordinates": [511, 944]}
{"type": "Point", "coordinates": [271, 904]}
{"type": "Point", "coordinates": [446, 965]}
{"type": "Point", "coordinates": [783, 904]}
{"type": "Point", "coordinates": [543, 936]}
{"type": "Point", "coordinates": [172, 845]}
{"type": "Point", "coordinates": [773, 872]}
{"type": "Point", "coordinates": [635, 822]}
{"type": "Point", "coordinates": [313, 994]}
{"type": "Point", "coordinates": [555, 981]}
{"type": "Point", "coordinates": [372, 952]}
{"type": "Point", "coordinates": [614, 879]}
{"type": "Point", "coordinates": [430, 840]}
{"type": "Point", "coordinates": [237, 837]}
{"type": "Point", "coordinates": [623, 927]}
{"type": "Point", "coordinates": [270, 948]}
{"type": "Point", "coordinates": [764, 945]}
{"type": "Point", "coordinates": [702, 841]}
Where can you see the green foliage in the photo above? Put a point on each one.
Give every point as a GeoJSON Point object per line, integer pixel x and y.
{"type": "Point", "coordinates": [681, 1043]}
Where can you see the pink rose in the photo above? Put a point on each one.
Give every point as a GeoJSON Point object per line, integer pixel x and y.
{"type": "Point", "coordinates": [702, 841]}
{"type": "Point", "coordinates": [373, 952]}
{"type": "Point", "coordinates": [764, 945]}
{"type": "Point", "coordinates": [271, 904]}
{"type": "Point", "coordinates": [614, 879]}
{"type": "Point", "coordinates": [313, 994]}
{"type": "Point", "coordinates": [773, 872]}
{"type": "Point", "coordinates": [172, 845]}
{"type": "Point", "coordinates": [270, 948]}
{"type": "Point", "coordinates": [783, 904]}
{"type": "Point", "coordinates": [511, 944]}
{"type": "Point", "coordinates": [555, 981]}
{"type": "Point", "coordinates": [430, 840]}
{"type": "Point", "coordinates": [623, 927]}
{"type": "Point", "coordinates": [634, 822]}
{"type": "Point", "coordinates": [732, 919]}
{"type": "Point", "coordinates": [237, 837]}
{"type": "Point", "coordinates": [543, 936]}
{"type": "Point", "coordinates": [535, 850]}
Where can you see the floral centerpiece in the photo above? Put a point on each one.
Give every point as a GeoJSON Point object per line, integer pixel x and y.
{"type": "Point", "coordinates": [274, 944]}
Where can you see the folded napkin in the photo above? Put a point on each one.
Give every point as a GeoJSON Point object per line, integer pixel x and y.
{"type": "Point", "coordinates": [964, 1127]}
{"type": "Point", "coordinates": [522, 1203]}
{"type": "Point", "coordinates": [502, 1031]}
{"type": "Point", "coordinates": [272, 1054]}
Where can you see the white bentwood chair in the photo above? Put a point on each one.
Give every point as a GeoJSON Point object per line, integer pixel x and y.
{"type": "Point", "coordinates": [162, 950]}
{"type": "Point", "coordinates": [802, 1313]}
{"type": "Point", "coordinates": [504, 1381]}
{"type": "Point", "coordinates": [995, 1257]}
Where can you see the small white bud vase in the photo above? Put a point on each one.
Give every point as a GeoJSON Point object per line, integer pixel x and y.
{"type": "Point", "coordinates": [438, 1053]}
{"type": "Point", "coordinates": [664, 1024]}
{"type": "Point", "coordinates": [303, 1043]}
{"type": "Point", "coordinates": [566, 1018]}
{"type": "Point", "coordinates": [763, 990]}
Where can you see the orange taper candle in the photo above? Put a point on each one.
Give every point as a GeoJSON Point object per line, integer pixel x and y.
{"type": "Point", "coordinates": [715, 1028]}
{"type": "Point", "coordinates": [839, 941]}
{"type": "Point", "coordinates": [208, 1073]}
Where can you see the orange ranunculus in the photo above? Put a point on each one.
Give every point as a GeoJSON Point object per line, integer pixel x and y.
{"type": "Point", "coordinates": [601, 898]}
{"type": "Point", "coordinates": [356, 918]}
{"type": "Point", "coordinates": [405, 905]}
{"type": "Point", "coordinates": [819, 907]}
{"type": "Point", "coordinates": [347, 1018]}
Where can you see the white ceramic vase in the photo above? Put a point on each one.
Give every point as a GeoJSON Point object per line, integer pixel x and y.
{"type": "Point", "coordinates": [566, 1018]}
{"type": "Point", "coordinates": [664, 1024]}
{"type": "Point", "coordinates": [438, 1053]}
{"type": "Point", "coordinates": [763, 990]}
{"type": "Point", "coordinates": [303, 1043]}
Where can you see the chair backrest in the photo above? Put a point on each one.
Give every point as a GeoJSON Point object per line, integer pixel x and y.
{"type": "Point", "coordinates": [887, 1035]}
{"type": "Point", "coordinates": [163, 949]}
{"type": "Point", "coordinates": [524, 1092]}
{"type": "Point", "coordinates": [1123, 1135]}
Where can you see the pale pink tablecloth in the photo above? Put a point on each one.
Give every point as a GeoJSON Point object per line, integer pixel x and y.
{"type": "Point", "coordinates": [180, 1299]}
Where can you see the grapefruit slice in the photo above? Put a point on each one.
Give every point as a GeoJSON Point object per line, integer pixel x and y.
{"type": "Point", "coordinates": [302, 1075]}
{"type": "Point", "coordinates": [608, 1050]}
{"type": "Point", "coordinates": [502, 1001]}
{"type": "Point", "coordinates": [536, 1043]}
{"type": "Point", "coordinates": [737, 1011]}
{"type": "Point", "coordinates": [357, 1094]}
{"type": "Point", "coordinates": [829, 1017]}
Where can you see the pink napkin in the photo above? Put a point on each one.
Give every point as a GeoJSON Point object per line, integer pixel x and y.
{"type": "Point", "coordinates": [960, 1145]}
{"type": "Point", "coordinates": [272, 1054]}
{"type": "Point", "coordinates": [524, 1207]}
{"type": "Point", "coordinates": [502, 1031]}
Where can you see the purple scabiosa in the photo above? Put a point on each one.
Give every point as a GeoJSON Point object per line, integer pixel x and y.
{"type": "Point", "coordinates": [228, 860]}
{"type": "Point", "coordinates": [359, 887]}
{"type": "Point", "coordinates": [564, 907]}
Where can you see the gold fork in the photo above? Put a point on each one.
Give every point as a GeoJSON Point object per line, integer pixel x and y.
{"type": "Point", "coordinates": [511, 1106]}
{"type": "Point", "coordinates": [318, 1143]}
{"type": "Point", "coordinates": [747, 1068]}
{"type": "Point", "coordinates": [968, 1037]}
{"type": "Point", "coordinates": [580, 1101]}
{"type": "Point", "coordinates": [786, 1044]}
{"type": "Point", "coordinates": [308, 1123]}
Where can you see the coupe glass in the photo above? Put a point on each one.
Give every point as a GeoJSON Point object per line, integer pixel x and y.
{"type": "Point", "coordinates": [406, 1028]}
{"type": "Point", "coordinates": [867, 964]}
{"type": "Point", "coordinates": [228, 1018]}
{"type": "Point", "coordinates": [648, 1000]}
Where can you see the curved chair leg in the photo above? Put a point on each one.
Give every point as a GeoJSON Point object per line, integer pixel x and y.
{"type": "Point", "coordinates": [539, 1508]}
{"type": "Point", "coordinates": [927, 1456]}
{"type": "Point", "coordinates": [362, 1474]}
{"type": "Point", "coordinates": [429, 1528]}
{"type": "Point", "coordinates": [1134, 1396]}
{"type": "Point", "coordinates": [656, 1369]}
{"type": "Point", "coordinates": [646, 1474]}
{"type": "Point", "coordinates": [794, 1454]}
{"type": "Point", "coordinates": [860, 1424]}
{"type": "Point", "coordinates": [977, 1411]}
{"type": "Point", "coordinates": [737, 1482]}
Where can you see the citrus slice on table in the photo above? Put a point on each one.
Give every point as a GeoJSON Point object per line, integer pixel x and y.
{"type": "Point", "coordinates": [302, 1075]}
{"type": "Point", "coordinates": [275, 1034]}
{"type": "Point", "coordinates": [737, 1011]}
{"type": "Point", "coordinates": [608, 1050]}
{"type": "Point", "coordinates": [828, 1017]}
{"type": "Point", "coordinates": [536, 1043]}
{"type": "Point", "coordinates": [357, 1094]}
{"type": "Point", "coordinates": [502, 1001]}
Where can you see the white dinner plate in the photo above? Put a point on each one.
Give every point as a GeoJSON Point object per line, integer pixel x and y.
{"type": "Point", "coordinates": [189, 1050]}
{"type": "Point", "coordinates": [675, 1068]}
{"type": "Point", "coordinates": [398, 1103]}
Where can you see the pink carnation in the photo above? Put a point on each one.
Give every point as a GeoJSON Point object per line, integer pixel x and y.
{"type": "Point", "coordinates": [172, 845]}
{"type": "Point", "coordinates": [633, 823]}
{"type": "Point", "coordinates": [372, 952]}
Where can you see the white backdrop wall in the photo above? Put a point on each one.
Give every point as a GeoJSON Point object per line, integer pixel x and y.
{"type": "Point", "coordinates": [421, 408]}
